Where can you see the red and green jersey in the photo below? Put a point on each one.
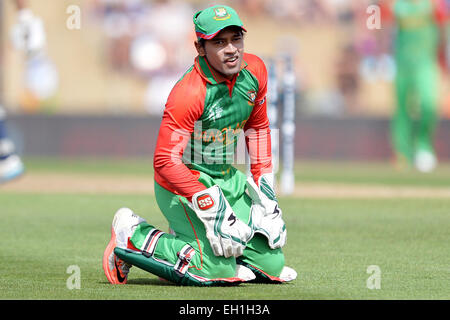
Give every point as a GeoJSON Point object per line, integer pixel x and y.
{"type": "Point", "coordinates": [417, 32]}
{"type": "Point", "coordinates": [203, 118]}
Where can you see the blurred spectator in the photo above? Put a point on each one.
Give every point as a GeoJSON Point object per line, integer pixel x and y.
{"type": "Point", "coordinates": [150, 39]}
{"type": "Point", "coordinates": [41, 78]}
{"type": "Point", "coordinates": [171, 26]}
{"type": "Point", "coordinates": [347, 74]}
{"type": "Point", "coordinates": [256, 7]}
{"type": "Point", "coordinates": [120, 21]}
{"type": "Point", "coordinates": [307, 11]}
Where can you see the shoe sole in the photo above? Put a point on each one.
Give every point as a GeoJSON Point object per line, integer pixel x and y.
{"type": "Point", "coordinates": [110, 274]}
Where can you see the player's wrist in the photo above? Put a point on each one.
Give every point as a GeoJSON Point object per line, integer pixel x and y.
{"type": "Point", "coordinates": [262, 191]}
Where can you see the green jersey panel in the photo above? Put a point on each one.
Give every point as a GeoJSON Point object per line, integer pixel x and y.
{"type": "Point", "coordinates": [213, 143]}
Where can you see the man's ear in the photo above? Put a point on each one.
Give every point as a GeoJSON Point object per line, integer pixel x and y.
{"type": "Point", "coordinates": [200, 49]}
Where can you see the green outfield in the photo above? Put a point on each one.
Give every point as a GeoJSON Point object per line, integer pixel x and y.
{"type": "Point", "coordinates": [332, 241]}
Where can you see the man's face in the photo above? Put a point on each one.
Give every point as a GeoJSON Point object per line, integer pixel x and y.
{"type": "Point", "coordinates": [225, 51]}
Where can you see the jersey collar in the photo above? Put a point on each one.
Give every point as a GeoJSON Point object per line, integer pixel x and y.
{"type": "Point", "coordinates": [208, 73]}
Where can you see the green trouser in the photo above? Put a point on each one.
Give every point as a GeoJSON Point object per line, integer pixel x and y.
{"type": "Point", "coordinates": [188, 229]}
{"type": "Point", "coordinates": [415, 118]}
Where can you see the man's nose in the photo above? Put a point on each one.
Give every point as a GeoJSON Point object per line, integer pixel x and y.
{"type": "Point", "coordinates": [230, 48]}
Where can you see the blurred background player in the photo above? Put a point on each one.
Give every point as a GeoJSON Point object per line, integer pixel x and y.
{"type": "Point", "coordinates": [27, 35]}
{"type": "Point", "coordinates": [418, 42]}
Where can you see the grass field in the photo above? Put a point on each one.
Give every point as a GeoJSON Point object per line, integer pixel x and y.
{"type": "Point", "coordinates": [332, 240]}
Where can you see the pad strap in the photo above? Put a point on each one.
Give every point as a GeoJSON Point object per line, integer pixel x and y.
{"type": "Point", "coordinates": [167, 270]}
{"type": "Point", "coordinates": [150, 242]}
{"type": "Point", "coordinates": [184, 258]}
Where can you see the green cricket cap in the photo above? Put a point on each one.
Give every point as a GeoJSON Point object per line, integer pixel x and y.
{"type": "Point", "coordinates": [210, 21]}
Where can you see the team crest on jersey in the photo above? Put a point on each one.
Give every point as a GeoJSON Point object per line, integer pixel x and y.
{"type": "Point", "coordinates": [252, 97]}
{"type": "Point", "coordinates": [221, 14]}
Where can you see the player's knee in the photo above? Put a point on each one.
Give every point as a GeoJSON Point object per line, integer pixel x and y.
{"type": "Point", "coordinates": [273, 263]}
{"type": "Point", "coordinates": [217, 267]}
{"type": "Point", "coordinates": [259, 255]}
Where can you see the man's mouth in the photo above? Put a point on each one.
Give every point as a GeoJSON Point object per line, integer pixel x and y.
{"type": "Point", "coordinates": [231, 62]}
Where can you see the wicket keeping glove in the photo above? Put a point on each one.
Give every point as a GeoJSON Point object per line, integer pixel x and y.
{"type": "Point", "coordinates": [227, 235]}
{"type": "Point", "coordinates": [266, 215]}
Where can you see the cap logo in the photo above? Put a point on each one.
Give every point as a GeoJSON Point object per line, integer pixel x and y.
{"type": "Point", "coordinates": [221, 14]}
{"type": "Point", "coordinates": [205, 202]}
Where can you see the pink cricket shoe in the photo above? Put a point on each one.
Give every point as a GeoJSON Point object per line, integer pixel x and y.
{"type": "Point", "coordinates": [123, 225]}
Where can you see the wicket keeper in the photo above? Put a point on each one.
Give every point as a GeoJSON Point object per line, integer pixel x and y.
{"type": "Point", "coordinates": [226, 228]}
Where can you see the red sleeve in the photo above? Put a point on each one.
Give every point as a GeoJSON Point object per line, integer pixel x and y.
{"type": "Point", "coordinates": [387, 14]}
{"type": "Point", "coordinates": [440, 11]}
{"type": "Point", "coordinates": [257, 131]}
{"type": "Point", "coordinates": [184, 106]}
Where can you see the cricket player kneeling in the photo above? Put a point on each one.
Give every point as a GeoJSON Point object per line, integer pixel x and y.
{"type": "Point", "coordinates": [226, 229]}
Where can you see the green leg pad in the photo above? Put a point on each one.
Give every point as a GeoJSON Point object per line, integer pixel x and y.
{"type": "Point", "coordinates": [166, 270]}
